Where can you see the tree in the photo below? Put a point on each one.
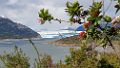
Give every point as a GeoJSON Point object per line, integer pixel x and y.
{"type": "Point", "coordinates": [93, 18]}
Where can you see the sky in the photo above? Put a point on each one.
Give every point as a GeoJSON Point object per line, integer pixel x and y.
{"type": "Point", "coordinates": [26, 12]}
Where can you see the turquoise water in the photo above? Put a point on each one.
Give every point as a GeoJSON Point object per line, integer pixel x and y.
{"type": "Point", "coordinates": [57, 52]}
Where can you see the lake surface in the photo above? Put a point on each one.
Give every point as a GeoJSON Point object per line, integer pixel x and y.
{"type": "Point", "coordinates": [57, 52]}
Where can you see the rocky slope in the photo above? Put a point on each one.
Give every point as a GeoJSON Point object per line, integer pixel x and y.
{"type": "Point", "coordinates": [10, 29]}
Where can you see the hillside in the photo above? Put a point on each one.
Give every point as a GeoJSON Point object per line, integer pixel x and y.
{"type": "Point", "coordinates": [68, 41]}
{"type": "Point", "coordinates": [13, 30]}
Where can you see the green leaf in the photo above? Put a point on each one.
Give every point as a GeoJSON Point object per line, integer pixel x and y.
{"type": "Point", "coordinates": [107, 18]}
{"type": "Point", "coordinates": [98, 18]}
{"type": "Point", "coordinates": [118, 1]}
{"type": "Point", "coordinates": [44, 15]}
{"type": "Point", "coordinates": [73, 9]}
{"type": "Point", "coordinates": [117, 6]}
{"type": "Point", "coordinates": [90, 18]}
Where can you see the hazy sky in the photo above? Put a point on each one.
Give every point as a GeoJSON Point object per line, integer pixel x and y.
{"type": "Point", "coordinates": [26, 12]}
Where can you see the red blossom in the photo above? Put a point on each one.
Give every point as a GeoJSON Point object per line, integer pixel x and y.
{"type": "Point", "coordinates": [82, 34]}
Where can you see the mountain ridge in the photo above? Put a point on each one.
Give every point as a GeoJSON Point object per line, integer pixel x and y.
{"type": "Point", "coordinates": [10, 29]}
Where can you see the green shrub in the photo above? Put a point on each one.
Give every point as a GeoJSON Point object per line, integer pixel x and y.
{"type": "Point", "coordinates": [44, 61]}
{"type": "Point", "coordinates": [87, 58]}
{"type": "Point", "coordinates": [84, 57]}
{"type": "Point", "coordinates": [17, 59]}
{"type": "Point", "coordinates": [108, 61]}
{"type": "Point", "coordinates": [80, 58]}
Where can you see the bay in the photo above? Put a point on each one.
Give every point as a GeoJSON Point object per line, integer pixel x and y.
{"type": "Point", "coordinates": [57, 52]}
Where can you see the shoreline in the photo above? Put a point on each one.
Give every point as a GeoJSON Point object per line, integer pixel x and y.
{"type": "Point", "coordinates": [68, 41]}
{"type": "Point", "coordinates": [34, 38]}
{"type": "Point", "coordinates": [61, 44]}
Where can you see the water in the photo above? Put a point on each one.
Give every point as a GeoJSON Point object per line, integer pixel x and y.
{"type": "Point", "coordinates": [57, 52]}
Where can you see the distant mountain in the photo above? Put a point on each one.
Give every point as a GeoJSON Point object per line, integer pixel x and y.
{"type": "Point", "coordinates": [10, 29]}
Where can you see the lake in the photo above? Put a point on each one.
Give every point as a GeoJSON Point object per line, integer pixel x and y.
{"type": "Point", "coordinates": [57, 52]}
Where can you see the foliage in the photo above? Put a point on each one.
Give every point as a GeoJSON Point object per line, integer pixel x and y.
{"type": "Point", "coordinates": [94, 17]}
{"type": "Point", "coordinates": [94, 10]}
{"type": "Point", "coordinates": [17, 59]}
{"type": "Point", "coordinates": [108, 61]}
{"type": "Point", "coordinates": [86, 58]}
{"type": "Point", "coordinates": [107, 18]}
{"type": "Point", "coordinates": [80, 58]}
{"type": "Point", "coordinates": [96, 25]}
{"type": "Point", "coordinates": [44, 14]}
{"type": "Point", "coordinates": [45, 62]}
{"type": "Point", "coordinates": [117, 6]}
{"type": "Point", "coordinates": [74, 10]}
{"type": "Point", "coordinates": [61, 64]}
{"type": "Point", "coordinates": [95, 30]}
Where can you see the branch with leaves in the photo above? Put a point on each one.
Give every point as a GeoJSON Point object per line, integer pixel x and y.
{"type": "Point", "coordinates": [93, 20]}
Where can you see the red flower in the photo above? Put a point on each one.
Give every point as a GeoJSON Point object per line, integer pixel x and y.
{"type": "Point", "coordinates": [82, 34]}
